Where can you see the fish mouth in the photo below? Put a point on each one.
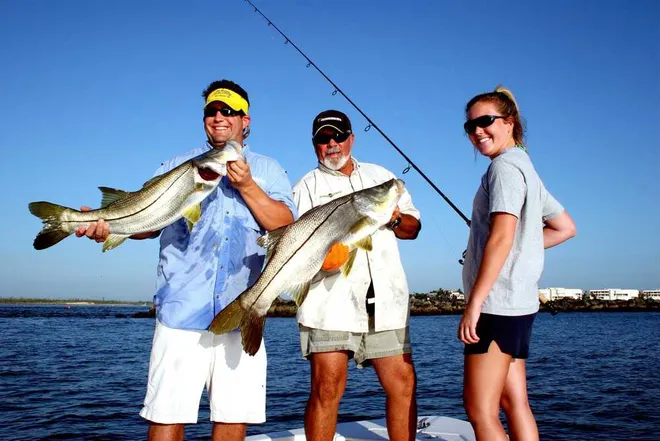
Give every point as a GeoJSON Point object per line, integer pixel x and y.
{"type": "Point", "coordinates": [387, 200]}
{"type": "Point", "coordinates": [214, 163]}
{"type": "Point", "coordinates": [212, 170]}
{"type": "Point", "coordinates": [208, 174]}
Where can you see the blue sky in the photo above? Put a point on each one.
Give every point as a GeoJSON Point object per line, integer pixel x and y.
{"type": "Point", "coordinates": [100, 93]}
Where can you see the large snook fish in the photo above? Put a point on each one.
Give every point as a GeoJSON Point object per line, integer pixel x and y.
{"type": "Point", "coordinates": [296, 252]}
{"type": "Point", "coordinates": [161, 201]}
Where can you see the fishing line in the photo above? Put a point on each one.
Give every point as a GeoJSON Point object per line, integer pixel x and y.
{"type": "Point", "coordinates": [372, 124]}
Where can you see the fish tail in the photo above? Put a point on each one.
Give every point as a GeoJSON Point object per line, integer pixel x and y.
{"type": "Point", "coordinates": [47, 238]}
{"type": "Point", "coordinates": [228, 319]}
{"type": "Point", "coordinates": [46, 211]}
{"type": "Point", "coordinates": [50, 215]}
{"type": "Point", "coordinates": [252, 332]}
{"type": "Point", "coordinates": [251, 324]}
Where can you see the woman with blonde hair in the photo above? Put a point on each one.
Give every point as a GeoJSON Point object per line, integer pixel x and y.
{"type": "Point", "coordinates": [514, 218]}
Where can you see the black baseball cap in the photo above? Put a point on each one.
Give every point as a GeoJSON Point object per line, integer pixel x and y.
{"type": "Point", "coordinates": [333, 119]}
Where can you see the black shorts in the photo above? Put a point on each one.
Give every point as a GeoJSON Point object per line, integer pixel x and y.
{"type": "Point", "coordinates": [511, 333]}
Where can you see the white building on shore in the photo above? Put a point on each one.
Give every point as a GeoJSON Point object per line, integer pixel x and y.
{"type": "Point", "coordinates": [614, 294]}
{"type": "Point", "coordinates": [458, 295]}
{"type": "Point", "coordinates": [650, 294]}
{"type": "Point", "coordinates": [561, 293]}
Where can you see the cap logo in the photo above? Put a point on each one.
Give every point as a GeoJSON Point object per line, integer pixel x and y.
{"type": "Point", "coordinates": [229, 97]}
{"type": "Point", "coordinates": [329, 118]}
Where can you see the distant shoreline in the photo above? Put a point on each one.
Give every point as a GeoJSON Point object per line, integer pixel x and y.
{"type": "Point", "coordinates": [430, 304]}
{"type": "Point", "coordinates": [420, 305]}
{"type": "Point", "coordinates": [71, 302]}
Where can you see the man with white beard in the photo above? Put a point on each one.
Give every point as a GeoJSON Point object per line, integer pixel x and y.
{"type": "Point", "coordinates": [362, 315]}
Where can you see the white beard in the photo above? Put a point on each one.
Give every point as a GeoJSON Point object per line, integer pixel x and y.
{"type": "Point", "coordinates": [336, 163]}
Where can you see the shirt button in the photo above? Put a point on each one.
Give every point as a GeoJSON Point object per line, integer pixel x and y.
{"type": "Point", "coordinates": [226, 212]}
{"type": "Point", "coordinates": [226, 239]}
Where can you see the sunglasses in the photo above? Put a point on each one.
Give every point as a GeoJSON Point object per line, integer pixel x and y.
{"type": "Point", "coordinates": [324, 138]}
{"type": "Point", "coordinates": [483, 121]}
{"type": "Point", "coordinates": [224, 111]}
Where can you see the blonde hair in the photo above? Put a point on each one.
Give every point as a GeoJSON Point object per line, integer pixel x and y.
{"type": "Point", "coordinates": [508, 93]}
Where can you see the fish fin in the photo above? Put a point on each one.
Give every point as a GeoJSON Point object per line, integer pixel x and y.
{"type": "Point", "coordinates": [365, 244]}
{"type": "Point", "coordinates": [110, 195]}
{"type": "Point", "coordinates": [52, 231]}
{"type": "Point", "coordinates": [252, 332]}
{"type": "Point", "coordinates": [362, 223]}
{"type": "Point", "coordinates": [270, 239]}
{"type": "Point", "coordinates": [113, 241]}
{"type": "Point", "coordinates": [47, 238]}
{"type": "Point", "coordinates": [299, 292]}
{"type": "Point", "coordinates": [346, 269]}
{"type": "Point", "coordinates": [228, 319]}
{"type": "Point", "coordinates": [46, 211]}
{"type": "Point", "coordinates": [192, 215]}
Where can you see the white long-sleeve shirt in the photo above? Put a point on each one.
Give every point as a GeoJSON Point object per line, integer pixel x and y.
{"type": "Point", "coordinates": [336, 302]}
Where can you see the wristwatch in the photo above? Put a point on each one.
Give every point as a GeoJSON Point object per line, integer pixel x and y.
{"type": "Point", "coordinates": [395, 223]}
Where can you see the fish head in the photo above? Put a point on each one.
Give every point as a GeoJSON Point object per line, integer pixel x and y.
{"type": "Point", "coordinates": [212, 165]}
{"type": "Point", "coordinates": [379, 202]}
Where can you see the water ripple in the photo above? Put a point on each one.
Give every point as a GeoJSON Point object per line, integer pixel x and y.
{"type": "Point", "coordinates": [80, 374]}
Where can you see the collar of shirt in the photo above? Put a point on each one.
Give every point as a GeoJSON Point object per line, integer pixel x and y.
{"type": "Point", "coordinates": [338, 302]}
{"type": "Point", "coordinates": [202, 271]}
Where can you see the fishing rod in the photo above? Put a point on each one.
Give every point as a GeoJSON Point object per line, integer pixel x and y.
{"type": "Point", "coordinates": [310, 63]}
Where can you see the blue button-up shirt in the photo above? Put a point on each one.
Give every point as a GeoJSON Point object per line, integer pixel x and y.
{"type": "Point", "coordinates": [201, 272]}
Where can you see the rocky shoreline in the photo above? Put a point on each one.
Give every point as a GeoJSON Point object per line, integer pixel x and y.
{"type": "Point", "coordinates": [430, 304]}
{"type": "Point", "coordinates": [442, 304]}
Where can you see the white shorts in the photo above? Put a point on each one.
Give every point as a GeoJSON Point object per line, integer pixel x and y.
{"type": "Point", "coordinates": [183, 361]}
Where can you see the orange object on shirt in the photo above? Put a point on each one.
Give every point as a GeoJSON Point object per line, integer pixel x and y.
{"type": "Point", "coordinates": [336, 258]}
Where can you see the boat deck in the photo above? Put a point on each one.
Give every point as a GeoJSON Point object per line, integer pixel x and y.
{"type": "Point", "coordinates": [428, 428]}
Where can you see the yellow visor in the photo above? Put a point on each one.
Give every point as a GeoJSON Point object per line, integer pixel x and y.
{"type": "Point", "coordinates": [230, 98]}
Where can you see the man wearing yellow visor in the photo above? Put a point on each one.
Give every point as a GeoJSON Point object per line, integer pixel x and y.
{"type": "Point", "coordinates": [201, 272]}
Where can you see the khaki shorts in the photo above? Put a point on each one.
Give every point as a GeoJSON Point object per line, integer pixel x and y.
{"type": "Point", "coordinates": [362, 346]}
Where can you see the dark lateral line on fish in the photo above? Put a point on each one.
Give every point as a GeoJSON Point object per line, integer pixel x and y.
{"type": "Point", "coordinates": [140, 210]}
{"type": "Point", "coordinates": [298, 249]}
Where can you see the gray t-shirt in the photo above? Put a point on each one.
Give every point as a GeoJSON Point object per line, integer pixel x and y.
{"type": "Point", "coordinates": [511, 185]}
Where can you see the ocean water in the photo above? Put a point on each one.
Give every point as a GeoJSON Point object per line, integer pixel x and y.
{"type": "Point", "coordinates": [80, 374]}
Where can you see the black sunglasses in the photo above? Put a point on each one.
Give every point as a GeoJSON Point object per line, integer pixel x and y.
{"type": "Point", "coordinates": [324, 138]}
{"type": "Point", "coordinates": [224, 111]}
{"type": "Point", "coordinates": [483, 121]}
